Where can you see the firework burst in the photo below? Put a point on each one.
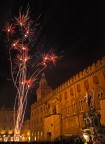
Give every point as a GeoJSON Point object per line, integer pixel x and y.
{"type": "Point", "coordinates": [23, 18]}
{"type": "Point", "coordinates": [23, 28]}
{"type": "Point", "coordinates": [9, 28]}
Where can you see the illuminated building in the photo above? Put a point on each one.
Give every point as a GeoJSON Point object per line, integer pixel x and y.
{"type": "Point", "coordinates": [25, 132]}
{"type": "Point", "coordinates": [6, 124]}
{"type": "Point", "coordinates": [60, 111]}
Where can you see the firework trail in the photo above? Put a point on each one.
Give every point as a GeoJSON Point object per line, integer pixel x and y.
{"type": "Point", "coordinates": [19, 35]}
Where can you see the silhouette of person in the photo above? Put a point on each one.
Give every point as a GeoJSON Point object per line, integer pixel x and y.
{"type": "Point", "coordinates": [88, 99]}
{"type": "Point", "coordinates": [98, 118]}
{"type": "Point", "coordinates": [90, 140]}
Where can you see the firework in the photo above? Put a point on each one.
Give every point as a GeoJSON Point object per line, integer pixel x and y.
{"type": "Point", "coordinates": [23, 18]}
{"type": "Point", "coordinates": [9, 28]}
{"type": "Point", "coordinates": [49, 58]}
{"type": "Point", "coordinates": [23, 28]}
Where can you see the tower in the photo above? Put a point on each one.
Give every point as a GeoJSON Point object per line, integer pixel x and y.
{"type": "Point", "coordinates": [43, 88]}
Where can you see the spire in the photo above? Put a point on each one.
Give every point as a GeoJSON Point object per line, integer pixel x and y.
{"type": "Point", "coordinates": [43, 75]}
{"type": "Point", "coordinates": [43, 82]}
{"type": "Point", "coordinates": [43, 88]}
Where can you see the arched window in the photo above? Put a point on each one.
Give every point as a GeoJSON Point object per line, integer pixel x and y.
{"type": "Point", "coordinates": [65, 95]}
{"type": "Point", "coordinates": [104, 74]}
{"type": "Point", "coordinates": [100, 94]}
{"type": "Point", "coordinates": [81, 108]}
{"type": "Point", "coordinates": [78, 88]}
{"type": "Point", "coordinates": [95, 80]}
{"type": "Point", "coordinates": [60, 97]}
{"type": "Point", "coordinates": [71, 91]}
{"type": "Point", "coordinates": [86, 84]}
{"type": "Point", "coordinates": [74, 108]}
{"type": "Point", "coordinates": [67, 110]}
{"type": "Point", "coordinates": [54, 109]}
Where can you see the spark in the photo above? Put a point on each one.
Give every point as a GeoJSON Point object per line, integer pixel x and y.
{"type": "Point", "coordinates": [23, 18]}
{"type": "Point", "coordinates": [53, 58]}
{"type": "Point", "coordinates": [15, 44]}
{"type": "Point", "coordinates": [9, 28]}
{"type": "Point", "coordinates": [28, 31]}
{"type": "Point", "coordinates": [25, 48]}
{"type": "Point", "coordinates": [30, 81]}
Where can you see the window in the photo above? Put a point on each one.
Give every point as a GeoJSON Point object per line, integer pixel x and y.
{"type": "Point", "coordinates": [100, 94]}
{"type": "Point", "coordinates": [66, 123]}
{"type": "Point", "coordinates": [78, 88]}
{"type": "Point", "coordinates": [86, 84]}
{"type": "Point", "coordinates": [48, 106]}
{"type": "Point", "coordinates": [74, 108]}
{"type": "Point", "coordinates": [37, 121]}
{"type": "Point", "coordinates": [38, 134]}
{"type": "Point", "coordinates": [67, 110]}
{"type": "Point", "coordinates": [71, 91]}
{"type": "Point", "coordinates": [95, 80]}
{"type": "Point", "coordinates": [32, 122]}
{"type": "Point", "coordinates": [6, 118]}
{"type": "Point", "coordinates": [11, 119]}
{"type": "Point", "coordinates": [41, 109]}
{"type": "Point", "coordinates": [81, 105]}
{"type": "Point", "coordinates": [104, 74]}
{"type": "Point", "coordinates": [40, 119]}
{"type": "Point", "coordinates": [38, 111]}
{"type": "Point", "coordinates": [54, 109]}
{"type": "Point", "coordinates": [42, 93]}
{"type": "Point", "coordinates": [65, 95]}
{"type": "Point", "coordinates": [41, 133]}
{"type": "Point", "coordinates": [60, 97]}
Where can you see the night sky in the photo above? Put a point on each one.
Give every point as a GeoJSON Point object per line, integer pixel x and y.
{"type": "Point", "coordinates": [75, 30]}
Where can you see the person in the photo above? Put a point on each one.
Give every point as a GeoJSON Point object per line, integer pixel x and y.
{"type": "Point", "coordinates": [98, 118]}
{"type": "Point", "coordinates": [91, 121]}
{"type": "Point", "coordinates": [94, 140]}
{"type": "Point", "coordinates": [78, 140]}
{"type": "Point", "coordinates": [98, 141]}
{"type": "Point", "coordinates": [90, 140]}
{"type": "Point", "coordinates": [84, 118]}
{"type": "Point", "coordinates": [88, 99]}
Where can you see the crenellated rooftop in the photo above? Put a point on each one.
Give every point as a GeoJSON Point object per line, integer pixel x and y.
{"type": "Point", "coordinates": [82, 74]}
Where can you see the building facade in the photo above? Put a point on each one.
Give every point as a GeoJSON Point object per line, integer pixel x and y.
{"type": "Point", "coordinates": [60, 111]}
{"type": "Point", "coordinates": [6, 124]}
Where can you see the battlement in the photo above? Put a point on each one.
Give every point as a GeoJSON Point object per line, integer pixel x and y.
{"type": "Point", "coordinates": [82, 74]}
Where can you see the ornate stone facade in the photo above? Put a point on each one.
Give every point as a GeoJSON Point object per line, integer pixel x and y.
{"type": "Point", "coordinates": [60, 112]}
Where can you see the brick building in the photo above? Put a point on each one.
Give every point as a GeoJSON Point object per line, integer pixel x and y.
{"type": "Point", "coordinates": [60, 111]}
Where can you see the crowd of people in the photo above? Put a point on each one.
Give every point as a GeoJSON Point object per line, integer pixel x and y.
{"type": "Point", "coordinates": [70, 140]}
{"type": "Point", "coordinates": [65, 140]}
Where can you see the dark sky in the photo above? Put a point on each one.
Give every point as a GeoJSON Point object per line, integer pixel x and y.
{"type": "Point", "coordinates": [76, 28]}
